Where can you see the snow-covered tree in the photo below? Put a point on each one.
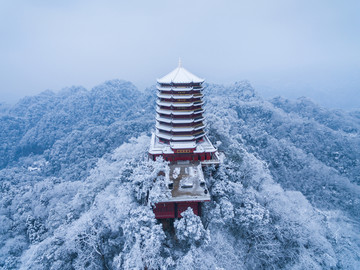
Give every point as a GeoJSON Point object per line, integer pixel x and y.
{"type": "Point", "coordinates": [190, 230]}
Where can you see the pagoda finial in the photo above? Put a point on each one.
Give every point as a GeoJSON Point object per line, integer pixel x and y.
{"type": "Point", "coordinates": [180, 64]}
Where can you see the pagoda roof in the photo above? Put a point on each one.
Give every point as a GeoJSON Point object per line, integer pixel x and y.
{"type": "Point", "coordinates": [183, 145]}
{"type": "Point", "coordinates": [179, 112]}
{"type": "Point", "coordinates": [180, 75]}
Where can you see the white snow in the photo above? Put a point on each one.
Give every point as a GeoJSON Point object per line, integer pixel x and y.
{"type": "Point", "coordinates": [183, 145]}
{"type": "Point", "coordinates": [176, 173]}
{"type": "Point", "coordinates": [180, 75]}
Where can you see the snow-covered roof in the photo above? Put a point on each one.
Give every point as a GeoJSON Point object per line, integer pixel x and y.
{"type": "Point", "coordinates": [205, 146]}
{"type": "Point", "coordinates": [176, 104]}
{"type": "Point", "coordinates": [179, 112]}
{"type": "Point", "coordinates": [177, 129]}
{"type": "Point", "coordinates": [174, 137]}
{"type": "Point", "coordinates": [178, 89]}
{"type": "Point", "coordinates": [162, 95]}
{"type": "Point", "coordinates": [183, 145]}
{"type": "Point", "coordinates": [174, 120]}
{"type": "Point", "coordinates": [156, 147]}
{"type": "Point", "coordinates": [180, 75]}
{"type": "Point", "coordinates": [198, 119]}
{"type": "Point", "coordinates": [182, 121]}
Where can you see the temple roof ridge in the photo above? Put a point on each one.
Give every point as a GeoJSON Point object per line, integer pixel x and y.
{"type": "Point", "coordinates": [180, 75]}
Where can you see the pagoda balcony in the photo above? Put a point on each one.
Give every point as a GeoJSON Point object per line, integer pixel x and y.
{"type": "Point", "coordinates": [180, 93]}
{"type": "Point", "coordinates": [177, 101]}
{"type": "Point", "coordinates": [173, 120]}
{"type": "Point", "coordinates": [164, 95]}
{"type": "Point", "coordinates": [171, 137]}
{"type": "Point", "coordinates": [182, 112]}
{"type": "Point", "coordinates": [174, 129]}
{"type": "Point", "coordinates": [179, 117]}
{"type": "Point", "coordinates": [200, 126]}
{"type": "Point", "coordinates": [199, 103]}
{"type": "Point", "coordinates": [199, 111]}
{"type": "Point", "coordinates": [183, 116]}
{"type": "Point", "coordinates": [167, 89]}
{"type": "Point", "coordinates": [170, 96]}
{"type": "Point", "coordinates": [177, 92]}
{"type": "Point", "coordinates": [182, 138]}
{"type": "Point", "coordinates": [163, 127]}
{"type": "Point", "coordinates": [163, 135]}
{"type": "Point", "coordinates": [164, 88]}
{"type": "Point", "coordinates": [179, 104]}
{"type": "Point", "coordinates": [163, 119]}
{"type": "Point", "coordinates": [200, 132]}
{"type": "Point", "coordinates": [178, 131]}
{"type": "Point", "coordinates": [186, 88]}
{"type": "Point", "coordinates": [198, 136]}
{"type": "Point", "coordinates": [182, 129]}
{"type": "Point", "coordinates": [198, 119]}
{"type": "Point", "coordinates": [181, 108]}
{"type": "Point", "coordinates": [170, 128]}
{"type": "Point", "coordinates": [182, 121]}
{"type": "Point", "coordinates": [174, 104]}
{"type": "Point", "coordinates": [179, 89]}
{"type": "Point", "coordinates": [193, 124]}
{"type": "Point", "coordinates": [179, 112]}
{"type": "Point", "coordinates": [182, 96]}
{"type": "Point", "coordinates": [180, 84]}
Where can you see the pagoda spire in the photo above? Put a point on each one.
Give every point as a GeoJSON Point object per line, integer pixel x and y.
{"type": "Point", "coordinates": [180, 63]}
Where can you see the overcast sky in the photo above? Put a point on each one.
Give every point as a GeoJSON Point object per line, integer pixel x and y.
{"type": "Point", "coordinates": [288, 48]}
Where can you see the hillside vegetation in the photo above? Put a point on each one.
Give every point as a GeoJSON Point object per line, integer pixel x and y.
{"type": "Point", "coordinates": [75, 175]}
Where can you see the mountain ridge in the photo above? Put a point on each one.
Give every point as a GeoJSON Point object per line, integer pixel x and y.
{"type": "Point", "coordinates": [74, 175]}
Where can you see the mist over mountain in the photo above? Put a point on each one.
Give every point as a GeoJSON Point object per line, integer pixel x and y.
{"type": "Point", "coordinates": [75, 176]}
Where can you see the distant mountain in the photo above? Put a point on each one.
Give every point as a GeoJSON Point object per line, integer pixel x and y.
{"type": "Point", "coordinates": [36, 123]}
{"type": "Point", "coordinates": [4, 108]}
{"type": "Point", "coordinates": [74, 177]}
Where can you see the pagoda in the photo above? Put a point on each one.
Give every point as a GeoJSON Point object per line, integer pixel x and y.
{"type": "Point", "coordinates": [180, 138]}
{"type": "Point", "coordinates": [180, 128]}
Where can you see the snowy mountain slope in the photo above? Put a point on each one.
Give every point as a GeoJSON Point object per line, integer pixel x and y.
{"type": "Point", "coordinates": [74, 185]}
{"type": "Point", "coordinates": [334, 119]}
{"type": "Point", "coordinates": [36, 123]}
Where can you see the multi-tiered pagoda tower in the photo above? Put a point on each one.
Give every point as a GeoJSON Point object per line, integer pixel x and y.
{"type": "Point", "coordinates": [180, 128]}
{"type": "Point", "coordinates": [180, 138]}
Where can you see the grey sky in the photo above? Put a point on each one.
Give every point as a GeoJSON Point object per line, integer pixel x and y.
{"type": "Point", "coordinates": [289, 48]}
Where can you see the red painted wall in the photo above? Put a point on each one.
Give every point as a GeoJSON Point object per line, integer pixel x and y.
{"type": "Point", "coordinates": [174, 209]}
{"type": "Point", "coordinates": [191, 156]}
{"type": "Point", "coordinates": [183, 206]}
{"type": "Point", "coordinates": [164, 210]}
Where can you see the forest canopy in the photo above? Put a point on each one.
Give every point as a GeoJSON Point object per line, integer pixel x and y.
{"type": "Point", "coordinates": [75, 175]}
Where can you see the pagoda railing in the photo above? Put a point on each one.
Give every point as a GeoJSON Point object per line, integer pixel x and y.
{"type": "Point", "coordinates": [180, 117]}
{"type": "Point", "coordinates": [193, 126]}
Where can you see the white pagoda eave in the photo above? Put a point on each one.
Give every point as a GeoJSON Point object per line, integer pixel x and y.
{"type": "Point", "coordinates": [180, 76]}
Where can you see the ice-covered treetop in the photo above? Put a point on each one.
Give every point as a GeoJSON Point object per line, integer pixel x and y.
{"type": "Point", "coordinates": [180, 75]}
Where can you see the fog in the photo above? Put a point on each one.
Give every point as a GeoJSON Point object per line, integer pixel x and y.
{"type": "Point", "coordinates": [288, 48]}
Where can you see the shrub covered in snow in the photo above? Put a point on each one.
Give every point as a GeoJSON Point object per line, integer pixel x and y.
{"type": "Point", "coordinates": [190, 230]}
